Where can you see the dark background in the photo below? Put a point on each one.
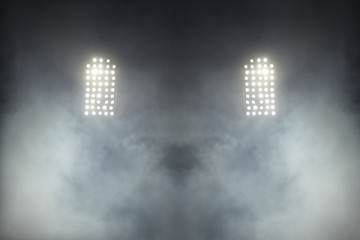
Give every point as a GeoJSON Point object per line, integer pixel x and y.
{"type": "Point", "coordinates": [180, 160]}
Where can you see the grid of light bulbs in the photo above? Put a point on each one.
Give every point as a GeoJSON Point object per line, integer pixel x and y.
{"type": "Point", "coordinates": [259, 88]}
{"type": "Point", "coordinates": [99, 88]}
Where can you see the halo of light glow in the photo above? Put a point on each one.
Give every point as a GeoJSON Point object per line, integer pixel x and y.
{"type": "Point", "coordinates": [262, 98]}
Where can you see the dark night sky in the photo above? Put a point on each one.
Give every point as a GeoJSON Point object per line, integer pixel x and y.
{"type": "Point", "coordinates": [180, 160]}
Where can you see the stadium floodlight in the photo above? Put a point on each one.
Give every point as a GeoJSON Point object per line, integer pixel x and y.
{"type": "Point", "coordinates": [259, 78]}
{"type": "Point", "coordinates": [99, 88]}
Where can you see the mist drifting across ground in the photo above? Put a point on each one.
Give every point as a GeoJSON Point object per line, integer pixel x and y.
{"type": "Point", "coordinates": [179, 160]}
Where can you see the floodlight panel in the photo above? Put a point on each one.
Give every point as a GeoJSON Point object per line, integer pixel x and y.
{"type": "Point", "coordinates": [99, 88]}
{"type": "Point", "coordinates": [260, 87]}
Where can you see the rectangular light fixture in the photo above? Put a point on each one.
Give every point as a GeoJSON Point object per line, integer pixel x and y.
{"type": "Point", "coordinates": [259, 88]}
{"type": "Point", "coordinates": [99, 88]}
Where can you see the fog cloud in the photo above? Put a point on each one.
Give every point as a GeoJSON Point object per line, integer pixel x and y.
{"type": "Point", "coordinates": [180, 160]}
